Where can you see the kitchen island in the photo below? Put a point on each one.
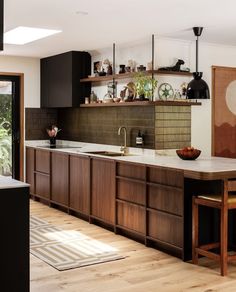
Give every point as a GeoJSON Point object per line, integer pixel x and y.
{"type": "Point", "coordinates": [142, 195]}
{"type": "Point", "coordinates": [15, 235]}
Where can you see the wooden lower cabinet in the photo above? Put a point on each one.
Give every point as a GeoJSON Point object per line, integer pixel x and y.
{"type": "Point", "coordinates": [103, 189]}
{"type": "Point", "coordinates": [145, 200]}
{"type": "Point", "coordinates": [165, 208]}
{"type": "Point", "coordinates": [60, 178]}
{"type": "Point", "coordinates": [165, 227]}
{"type": "Point", "coordinates": [131, 198]}
{"type": "Point", "coordinates": [165, 198]}
{"type": "Point", "coordinates": [42, 161]}
{"type": "Point", "coordinates": [30, 161]}
{"type": "Point", "coordinates": [79, 184]}
{"type": "Point", "coordinates": [131, 216]}
{"type": "Point", "coordinates": [131, 191]}
{"type": "Point", "coordinates": [42, 185]}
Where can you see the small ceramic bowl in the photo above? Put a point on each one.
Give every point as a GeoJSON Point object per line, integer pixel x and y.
{"type": "Point", "coordinates": [188, 154]}
{"type": "Point", "coordinates": [116, 99]}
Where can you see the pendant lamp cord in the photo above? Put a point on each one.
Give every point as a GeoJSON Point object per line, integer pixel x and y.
{"type": "Point", "coordinates": [197, 54]}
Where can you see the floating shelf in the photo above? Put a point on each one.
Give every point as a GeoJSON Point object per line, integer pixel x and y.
{"type": "Point", "coordinates": [131, 75]}
{"type": "Point", "coordinates": [142, 103]}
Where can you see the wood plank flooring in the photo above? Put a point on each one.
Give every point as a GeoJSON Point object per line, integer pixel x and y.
{"type": "Point", "coordinates": [144, 269]}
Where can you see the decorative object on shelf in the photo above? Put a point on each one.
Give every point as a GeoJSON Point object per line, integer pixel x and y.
{"type": "Point", "coordinates": [102, 73]}
{"type": "Point", "coordinates": [165, 91]}
{"type": "Point", "coordinates": [197, 88]}
{"type": "Point", "coordinates": [175, 68]}
{"type": "Point", "coordinates": [122, 69]}
{"type": "Point", "coordinates": [52, 133]}
{"type": "Point", "coordinates": [177, 95]}
{"type": "Point", "coordinates": [184, 87]}
{"type": "Point", "coordinates": [112, 88]}
{"type": "Point", "coordinates": [107, 98]}
{"type": "Point", "coordinates": [86, 100]}
{"type": "Point", "coordinates": [93, 97]}
{"type": "Point", "coordinates": [144, 86]}
{"type": "Point", "coordinates": [97, 67]}
{"type": "Point", "coordinates": [108, 67]}
{"type": "Point", "coordinates": [128, 93]}
{"type": "Point", "coordinates": [132, 64]}
{"type": "Point", "coordinates": [141, 68]}
{"type": "Point", "coordinates": [188, 153]}
{"type": "Point", "coordinates": [116, 99]}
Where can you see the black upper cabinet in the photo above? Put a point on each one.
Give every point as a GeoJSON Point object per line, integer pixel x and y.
{"type": "Point", "coordinates": [60, 79]}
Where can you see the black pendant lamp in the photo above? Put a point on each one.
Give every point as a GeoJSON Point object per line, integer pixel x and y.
{"type": "Point", "coordinates": [197, 88]}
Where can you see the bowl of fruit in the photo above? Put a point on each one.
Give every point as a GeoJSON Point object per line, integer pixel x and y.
{"type": "Point", "coordinates": [188, 153]}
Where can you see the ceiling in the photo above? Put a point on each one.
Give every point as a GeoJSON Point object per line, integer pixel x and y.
{"type": "Point", "coordinates": [94, 24]}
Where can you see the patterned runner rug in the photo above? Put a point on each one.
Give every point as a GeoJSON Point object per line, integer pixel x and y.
{"type": "Point", "coordinates": [67, 249]}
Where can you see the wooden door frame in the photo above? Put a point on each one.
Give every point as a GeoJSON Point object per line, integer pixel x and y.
{"type": "Point", "coordinates": [22, 119]}
{"type": "Point", "coordinates": [213, 68]}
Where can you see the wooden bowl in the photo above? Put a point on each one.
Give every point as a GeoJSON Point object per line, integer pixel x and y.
{"type": "Point", "coordinates": [188, 154]}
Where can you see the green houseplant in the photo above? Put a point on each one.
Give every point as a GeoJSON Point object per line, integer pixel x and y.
{"type": "Point", "coordinates": [144, 85]}
{"type": "Point", "coordinates": [5, 150]}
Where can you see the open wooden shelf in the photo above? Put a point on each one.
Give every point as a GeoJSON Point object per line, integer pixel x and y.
{"type": "Point", "coordinates": [143, 103]}
{"type": "Point", "coordinates": [131, 75]}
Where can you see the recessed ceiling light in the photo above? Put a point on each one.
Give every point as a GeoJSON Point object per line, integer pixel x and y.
{"type": "Point", "coordinates": [22, 35]}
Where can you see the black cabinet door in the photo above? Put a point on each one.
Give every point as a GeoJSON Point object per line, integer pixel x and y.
{"type": "Point", "coordinates": [14, 245]}
{"type": "Point", "coordinates": [60, 79]}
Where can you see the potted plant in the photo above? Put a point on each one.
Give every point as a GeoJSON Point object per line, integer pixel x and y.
{"type": "Point", "coordinates": [144, 86]}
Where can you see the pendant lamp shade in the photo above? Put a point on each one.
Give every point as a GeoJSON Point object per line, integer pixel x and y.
{"type": "Point", "coordinates": [197, 88]}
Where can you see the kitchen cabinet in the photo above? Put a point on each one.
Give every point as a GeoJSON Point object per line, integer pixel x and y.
{"type": "Point", "coordinates": [15, 237]}
{"type": "Point", "coordinates": [131, 197]}
{"type": "Point", "coordinates": [30, 161]}
{"type": "Point", "coordinates": [165, 208]}
{"type": "Point", "coordinates": [60, 79]}
{"type": "Point", "coordinates": [79, 184]}
{"type": "Point", "coordinates": [145, 201]}
{"type": "Point", "coordinates": [103, 190]}
{"type": "Point", "coordinates": [60, 178]}
{"type": "Point", "coordinates": [150, 203]}
{"type": "Point", "coordinates": [42, 173]}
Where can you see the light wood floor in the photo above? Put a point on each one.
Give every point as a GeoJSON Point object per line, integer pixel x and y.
{"type": "Point", "coordinates": [144, 269]}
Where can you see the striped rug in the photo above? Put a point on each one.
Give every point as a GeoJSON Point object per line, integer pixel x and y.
{"type": "Point", "coordinates": [67, 249]}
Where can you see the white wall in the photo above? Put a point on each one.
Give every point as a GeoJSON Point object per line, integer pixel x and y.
{"type": "Point", "coordinates": [167, 51]}
{"type": "Point", "coordinates": [31, 69]}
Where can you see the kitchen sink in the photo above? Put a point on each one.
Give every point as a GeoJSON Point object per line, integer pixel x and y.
{"type": "Point", "coordinates": [109, 153]}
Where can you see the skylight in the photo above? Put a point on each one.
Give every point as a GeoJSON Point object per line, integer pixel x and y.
{"type": "Point", "coordinates": [22, 35]}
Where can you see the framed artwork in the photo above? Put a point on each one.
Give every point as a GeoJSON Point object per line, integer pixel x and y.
{"type": "Point", "coordinates": [97, 67]}
{"type": "Point", "coordinates": [224, 111]}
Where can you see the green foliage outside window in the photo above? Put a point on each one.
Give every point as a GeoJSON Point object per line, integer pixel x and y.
{"type": "Point", "coordinates": [5, 134]}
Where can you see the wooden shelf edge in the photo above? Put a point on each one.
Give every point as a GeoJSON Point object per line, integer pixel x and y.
{"type": "Point", "coordinates": [142, 103]}
{"type": "Point", "coordinates": [131, 75]}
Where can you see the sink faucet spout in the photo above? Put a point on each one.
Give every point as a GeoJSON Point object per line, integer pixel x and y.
{"type": "Point", "coordinates": [123, 148]}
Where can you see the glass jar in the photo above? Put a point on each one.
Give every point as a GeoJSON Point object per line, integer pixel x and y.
{"type": "Point", "coordinates": [93, 97]}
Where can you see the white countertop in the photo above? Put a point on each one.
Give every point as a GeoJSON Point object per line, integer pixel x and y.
{"type": "Point", "coordinates": [164, 158]}
{"type": "Point", "coordinates": [7, 182]}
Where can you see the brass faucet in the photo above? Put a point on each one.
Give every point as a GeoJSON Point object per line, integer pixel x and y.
{"type": "Point", "coordinates": [123, 148]}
